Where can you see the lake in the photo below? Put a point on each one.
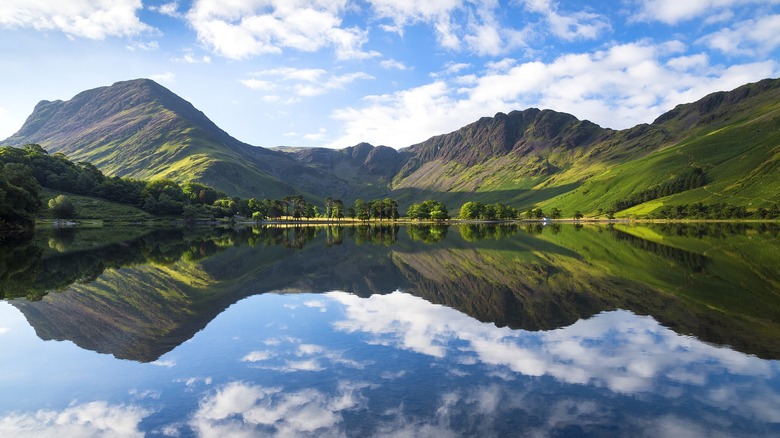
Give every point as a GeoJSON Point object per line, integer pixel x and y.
{"type": "Point", "coordinates": [442, 331]}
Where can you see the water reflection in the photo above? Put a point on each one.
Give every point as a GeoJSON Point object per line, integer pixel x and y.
{"type": "Point", "coordinates": [335, 364]}
{"type": "Point", "coordinates": [138, 298]}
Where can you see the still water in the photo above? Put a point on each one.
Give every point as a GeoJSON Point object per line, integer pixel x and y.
{"type": "Point", "coordinates": [418, 331]}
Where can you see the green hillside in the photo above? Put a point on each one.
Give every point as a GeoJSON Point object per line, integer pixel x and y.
{"type": "Point", "coordinates": [736, 145]}
{"type": "Point", "coordinates": [142, 130]}
{"type": "Point", "coordinates": [88, 207]}
{"type": "Point", "coordinates": [548, 159]}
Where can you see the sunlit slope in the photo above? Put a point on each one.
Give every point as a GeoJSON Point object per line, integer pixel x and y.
{"type": "Point", "coordinates": [142, 130]}
{"type": "Point", "coordinates": [734, 138]}
{"type": "Point", "coordinates": [549, 159]}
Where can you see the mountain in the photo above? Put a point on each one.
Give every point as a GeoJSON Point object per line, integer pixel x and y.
{"type": "Point", "coordinates": [141, 129]}
{"type": "Point", "coordinates": [723, 148]}
{"type": "Point", "coordinates": [552, 159]}
{"type": "Point", "coordinates": [368, 168]}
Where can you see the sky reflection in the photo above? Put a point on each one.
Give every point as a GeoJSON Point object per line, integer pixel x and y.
{"type": "Point", "coordinates": [335, 364]}
{"type": "Point", "coordinates": [619, 350]}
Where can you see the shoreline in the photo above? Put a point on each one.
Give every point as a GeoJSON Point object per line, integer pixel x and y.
{"type": "Point", "coordinates": [176, 222]}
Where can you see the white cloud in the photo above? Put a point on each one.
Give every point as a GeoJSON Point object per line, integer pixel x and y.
{"type": "Point", "coordinates": [316, 136]}
{"type": "Point", "coordinates": [190, 58]}
{"type": "Point", "coordinates": [690, 62]}
{"type": "Point", "coordinates": [676, 11]}
{"type": "Point", "coordinates": [751, 37]}
{"type": "Point", "coordinates": [257, 356]}
{"type": "Point", "coordinates": [452, 68]}
{"type": "Point", "coordinates": [401, 118]}
{"type": "Point", "coordinates": [239, 409]}
{"type": "Point", "coordinates": [257, 84]}
{"type": "Point", "coordinates": [458, 24]}
{"type": "Point", "coordinates": [170, 9]}
{"type": "Point", "coordinates": [167, 77]}
{"type": "Point", "coordinates": [145, 46]}
{"type": "Point", "coordinates": [332, 83]}
{"type": "Point", "coordinates": [307, 349]}
{"type": "Point", "coordinates": [95, 419]}
{"type": "Point", "coordinates": [393, 64]}
{"type": "Point", "coordinates": [78, 18]}
{"type": "Point", "coordinates": [239, 30]}
{"type": "Point", "coordinates": [576, 25]}
{"type": "Point", "coordinates": [315, 304]}
{"type": "Point", "coordinates": [617, 87]}
{"type": "Point", "coordinates": [4, 330]}
{"type": "Point", "coordinates": [301, 82]}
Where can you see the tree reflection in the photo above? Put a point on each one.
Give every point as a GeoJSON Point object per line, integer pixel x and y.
{"type": "Point", "coordinates": [526, 276]}
{"type": "Point", "coordinates": [428, 233]}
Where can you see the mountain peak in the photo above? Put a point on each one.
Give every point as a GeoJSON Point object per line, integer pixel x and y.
{"type": "Point", "coordinates": [56, 125]}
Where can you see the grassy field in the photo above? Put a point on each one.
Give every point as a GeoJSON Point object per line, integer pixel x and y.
{"type": "Point", "coordinates": [96, 209]}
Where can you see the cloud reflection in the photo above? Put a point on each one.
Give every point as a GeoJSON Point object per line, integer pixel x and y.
{"type": "Point", "coordinates": [618, 350]}
{"type": "Point", "coordinates": [239, 409]}
{"type": "Point", "coordinates": [304, 357]}
{"type": "Point", "coordinates": [95, 419]}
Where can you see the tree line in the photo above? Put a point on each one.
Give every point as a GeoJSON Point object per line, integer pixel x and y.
{"type": "Point", "coordinates": [714, 211]}
{"type": "Point", "coordinates": [474, 210]}
{"type": "Point", "coordinates": [24, 171]}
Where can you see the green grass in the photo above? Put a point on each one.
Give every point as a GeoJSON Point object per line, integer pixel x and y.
{"type": "Point", "coordinates": [96, 209]}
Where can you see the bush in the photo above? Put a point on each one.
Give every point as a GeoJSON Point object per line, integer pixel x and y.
{"type": "Point", "coordinates": [61, 207]}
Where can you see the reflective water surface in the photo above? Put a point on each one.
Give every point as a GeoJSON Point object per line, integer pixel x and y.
{"type": "Point", "coordinates": [476, 330]}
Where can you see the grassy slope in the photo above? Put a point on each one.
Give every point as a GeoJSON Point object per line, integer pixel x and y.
{"type": "Point", "coordinates": [163, 146]}
{"type": "Point", "coordinates": [740, 153]}
{"type": "Point", "coordinates": [736, 140]}
{"type": "Point", "coordinates": [95, 208]}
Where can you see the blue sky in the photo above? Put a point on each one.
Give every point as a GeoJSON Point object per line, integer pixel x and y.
{"type": "Point", "coordinates": [389, 72]}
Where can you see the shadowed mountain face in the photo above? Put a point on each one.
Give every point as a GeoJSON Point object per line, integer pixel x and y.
{"type": "Point", "coordinates": [140, 298]}
{"type": "Point", "coordinates": [524, 158]}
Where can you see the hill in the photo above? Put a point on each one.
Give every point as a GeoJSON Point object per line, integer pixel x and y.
{"type": "Point", "coordinates": [551, 159]}
{"type": "Point", "coordinates": [723, 148]}
{"type": "Point", "coordinates": [141, 129]}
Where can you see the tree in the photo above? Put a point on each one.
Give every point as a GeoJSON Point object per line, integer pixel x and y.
{"type": "Point", "coordinates": [62, 207]}
{"type": "Point", "coordinates": [328, 207]}
{"type": "Point", "coordinates": [362, 210]}
{"type": "Point", "coordinates": [276, 209]}
{"type": "Point", "coordinates": [390, 208]}
{"type": "Point", "coordinates": [555, 213]}
{"type": "Point", "coordinates": [163, 196]}
{"type": "Point", "coordinates": [428, 210]}
{"type": "Point", "coordinates": [439, 214]}
{"type": "Point", "coordinates": [19, 196]}
{"type": "Point", "coordinates": [337, 209]}
{"type": "Point", "coordinates": [578, 215]}
{"type": "Point", "coordinates": [471, 210]}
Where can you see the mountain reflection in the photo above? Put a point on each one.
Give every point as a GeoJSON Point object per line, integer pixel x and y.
{"type": "Point", "coordinates": [140, 297]}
